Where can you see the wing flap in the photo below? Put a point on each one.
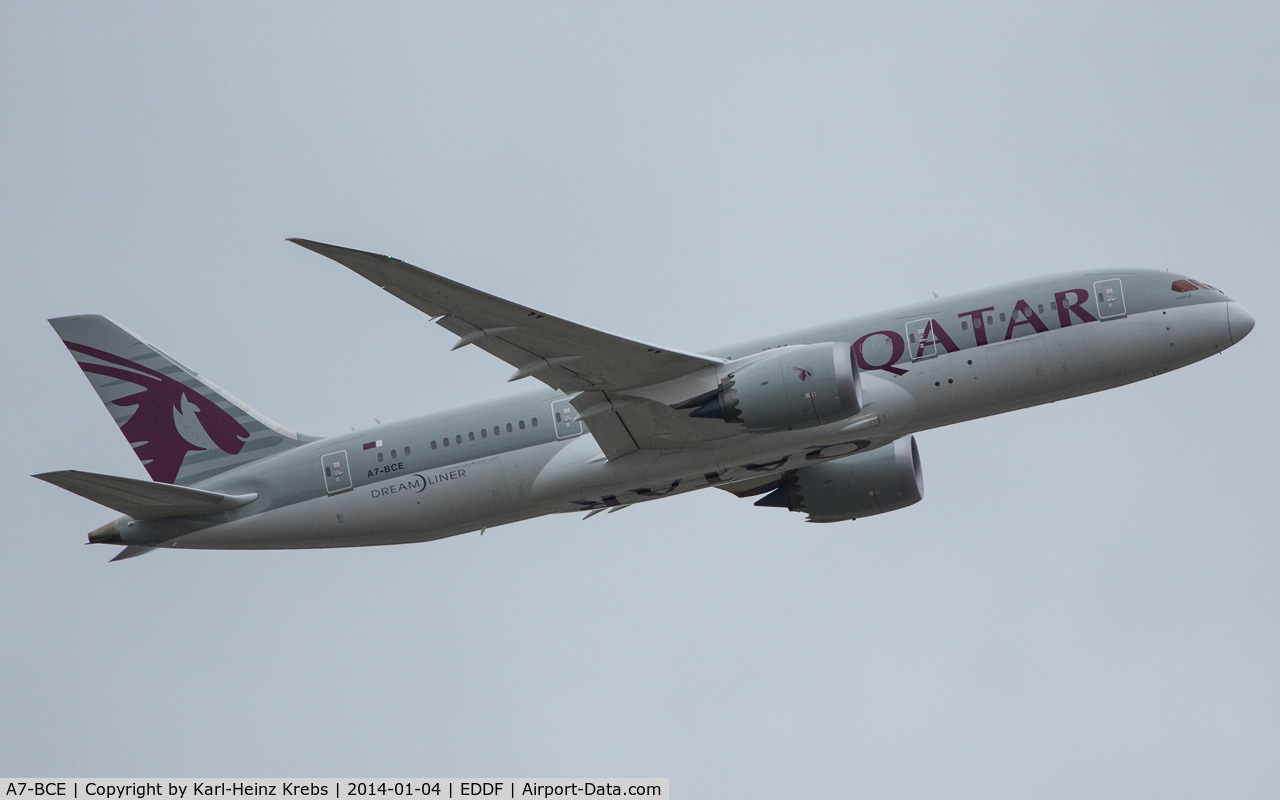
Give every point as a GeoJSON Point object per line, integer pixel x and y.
{"type": "Point", "coordinates": [598, 412]}
{"type": "Point", "coordinates": [143, 499]}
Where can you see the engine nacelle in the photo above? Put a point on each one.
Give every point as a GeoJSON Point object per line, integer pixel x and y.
{"type": "Point", "coordinates": [861, 485]}
{"type": "Point", "coordinates": [791, 387]}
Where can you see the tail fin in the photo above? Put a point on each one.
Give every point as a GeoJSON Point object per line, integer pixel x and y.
{"type": "Point", "coordinates": [183, 428]}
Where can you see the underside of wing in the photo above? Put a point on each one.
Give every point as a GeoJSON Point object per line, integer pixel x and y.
{"type": "Point", "coordinates": [562, 354]}
{"type": "Point", "coordinates": [598, 367]}
{"type": "Point", "coordinates": [750, 487]}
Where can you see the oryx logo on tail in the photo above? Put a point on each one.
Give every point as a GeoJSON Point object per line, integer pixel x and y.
{"type": "Point", "coordinates": [183, 428]}
{"type": "Point", "coordinates": [170, 420]}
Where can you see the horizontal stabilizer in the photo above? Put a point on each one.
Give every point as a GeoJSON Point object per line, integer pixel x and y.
{"type": "Point", "coordinates": [143, 499]}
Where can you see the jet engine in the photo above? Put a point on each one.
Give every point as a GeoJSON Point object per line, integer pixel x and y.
{"type": "Point", "coordinates": [861, 485]}
{"type": "Point", "coordinates": [791, 387]}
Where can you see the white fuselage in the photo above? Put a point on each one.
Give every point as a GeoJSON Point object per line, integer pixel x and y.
{"type": "Point", "coordinates": [443, 491]}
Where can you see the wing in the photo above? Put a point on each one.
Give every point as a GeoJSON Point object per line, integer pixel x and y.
{"type": "Point", "coordinates": [561, 354]}
{"type": "Point", "coordinates": [564, 355]}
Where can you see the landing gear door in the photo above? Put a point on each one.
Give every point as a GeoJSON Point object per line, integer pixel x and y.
{"type": "Point", "coordinates": [337, 475]}
{"type": "Point", "coordinates": [1110, 294]}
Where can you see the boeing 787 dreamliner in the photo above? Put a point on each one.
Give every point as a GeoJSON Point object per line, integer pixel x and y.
{"type": "Point", "coordinates": [818, 421]}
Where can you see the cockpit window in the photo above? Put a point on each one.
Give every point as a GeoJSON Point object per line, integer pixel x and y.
{"type": "Point", "coordinates": [1184, 285]}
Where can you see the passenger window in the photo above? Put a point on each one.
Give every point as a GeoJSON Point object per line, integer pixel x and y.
{"type": "Point", "coordinates": [457, 439]}
{"type": "Point", "coordinates": [990, 320]}
{"type": "Point", "coordinates": [446, 441]}
{"type": "Point", "coordinates": [406, 449]}
{"type": "Point", "coordinates": [1040, 308]}
{"type": "Point", "coordinates": [508, 427]}
{"type": "Point", "coordinates": [393, 453]}
{"type": "Point", "coordinates": [521, 424]}
{"type": "Point", "coordinates": [964, 326]}
{"type": "Point", "coordinates": [471, 436]}
{"type": "Point", "coordinates": [495, 430]}
{"type": "Point", "coordinates": [484, 433]}
{"type": "Point", "coordinates": [535, 422]}
{"type": "Point", "coordinates": [1002, 316]}
{"type": "Point", "coordinates": [433, 444]}
{"type": "Point", "coordinates": [379, 458]}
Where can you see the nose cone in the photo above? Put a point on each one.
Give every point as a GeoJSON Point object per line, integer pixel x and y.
{"type": "Point", "coordinates": [1239, 321]}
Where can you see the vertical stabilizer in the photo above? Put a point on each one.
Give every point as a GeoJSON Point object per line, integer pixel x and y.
{"type": "Point", "coordinates": [182, 427]}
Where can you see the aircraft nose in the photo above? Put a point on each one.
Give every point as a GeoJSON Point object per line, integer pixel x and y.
{"type": "Point", "coordinates": [1239, 321]}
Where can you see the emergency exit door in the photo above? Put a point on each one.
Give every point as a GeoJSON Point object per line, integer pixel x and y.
{"type": "Point", "coordinates": [337, 475]}
{"type": "Point", "coordinates": [1110, 294]}
{"type": "Point", "coordinates": [920, 339]}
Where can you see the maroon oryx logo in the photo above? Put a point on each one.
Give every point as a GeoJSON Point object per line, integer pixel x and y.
{"type": "Point", "coordinates": [804, 373]}
{"type": "Point", "coordinates": [162, 405]}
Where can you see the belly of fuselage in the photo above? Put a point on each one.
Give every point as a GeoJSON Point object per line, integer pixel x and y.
{"type": "Point", "coordinates": [952, 387]}
{"type": "Point", "coordinates": [422, 506]}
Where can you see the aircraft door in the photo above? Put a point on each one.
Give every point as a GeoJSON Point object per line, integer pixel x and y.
{"type": "Point", "coordinates": [920, 342]}
{"type": "Point", "coordinates": [566, 417]}
{"type": "Point", "coordinates": [1110, 294]}
{"type": "Point", "coordinates": [337, 475]}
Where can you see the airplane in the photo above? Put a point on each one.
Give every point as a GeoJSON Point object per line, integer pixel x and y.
{"type": "Point", "coordinates": [819, 421]}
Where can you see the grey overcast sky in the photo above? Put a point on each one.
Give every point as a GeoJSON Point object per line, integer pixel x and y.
{"type": "Point", "coordinates": [1085, 604]}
